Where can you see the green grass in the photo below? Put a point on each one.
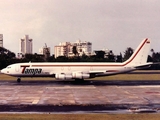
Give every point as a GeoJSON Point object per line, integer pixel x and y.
{"type": "Point", "coordinates": [131, 77]}
{"type": "Point", "coordinates": [79, 116]}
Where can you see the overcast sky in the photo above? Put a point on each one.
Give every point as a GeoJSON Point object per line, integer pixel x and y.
{"type": "Point", "coordinates": [112, 24]}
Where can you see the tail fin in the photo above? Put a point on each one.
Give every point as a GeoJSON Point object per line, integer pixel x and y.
{"type": "Point", "coordinates": [139, 57]}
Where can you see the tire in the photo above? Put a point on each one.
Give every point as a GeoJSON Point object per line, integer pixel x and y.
{"type": "Point", "coordinates": [18, 80]}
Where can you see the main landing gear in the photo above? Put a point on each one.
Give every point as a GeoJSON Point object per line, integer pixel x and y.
{"type": "Point", "coordinates": [18, 80]}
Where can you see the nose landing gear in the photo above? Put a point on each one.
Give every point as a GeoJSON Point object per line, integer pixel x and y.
{"type": "Point", "coordinates": [18, 80]}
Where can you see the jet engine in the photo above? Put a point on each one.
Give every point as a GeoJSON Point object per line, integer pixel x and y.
{"type": "Point", "coordinates": [74, 75]}
{"type": "Point", "coordinates": [63, 76]}
{"type": "Point", "coordinates": [80, 75]}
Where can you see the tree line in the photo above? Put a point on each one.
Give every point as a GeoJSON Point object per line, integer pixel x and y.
{"type": "Point", "coordinates": [7, 57]}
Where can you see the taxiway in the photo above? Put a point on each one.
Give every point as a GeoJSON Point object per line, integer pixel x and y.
{"type": "Point", "coordinates": [50, 96]}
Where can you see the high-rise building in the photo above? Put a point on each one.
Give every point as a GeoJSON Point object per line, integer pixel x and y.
{"type": "Point", "coordinates": [66, 49]}
{"type": "Point", "coordinates": [26, 45]}
{"type": "Point", "coordinates": [1, 40]}
{"type": "Point", "coordinates": [45, 51]}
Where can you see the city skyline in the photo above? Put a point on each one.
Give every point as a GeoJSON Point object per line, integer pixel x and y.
{"type": "Point", "coordinates": [115, 25]}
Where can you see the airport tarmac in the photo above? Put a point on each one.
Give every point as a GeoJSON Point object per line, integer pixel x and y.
{"type": "Point", "coordinates": [61, 96]}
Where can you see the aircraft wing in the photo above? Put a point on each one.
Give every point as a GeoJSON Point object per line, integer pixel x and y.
{"type": "Point", "coordinates": [96, 72]}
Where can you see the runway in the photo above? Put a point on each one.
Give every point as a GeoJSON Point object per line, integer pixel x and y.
{"type": "Point", "coordinates": [66, 96]}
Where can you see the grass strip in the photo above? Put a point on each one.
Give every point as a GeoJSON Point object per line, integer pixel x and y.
{"type": "Point", "coordinates": [79, 116]}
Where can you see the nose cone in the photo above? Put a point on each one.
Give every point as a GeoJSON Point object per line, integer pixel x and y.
{"type": "Point", "coordinates": [3, 71]}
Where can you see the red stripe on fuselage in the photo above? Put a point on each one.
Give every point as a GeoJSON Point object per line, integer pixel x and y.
{"type": "Point", "coordinates": [93, 65]}
{"type": "Point", "coordinates": [25, 66]}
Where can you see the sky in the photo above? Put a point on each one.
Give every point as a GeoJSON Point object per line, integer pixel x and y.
{"type": "Point", "coordinates": [108, 24]}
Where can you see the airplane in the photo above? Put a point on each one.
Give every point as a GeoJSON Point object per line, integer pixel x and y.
{"type": "Point", "coordinates": [81, 70]}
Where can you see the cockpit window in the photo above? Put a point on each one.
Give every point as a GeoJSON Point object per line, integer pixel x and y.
{"type": "Point", "coordinates": [9, 67]}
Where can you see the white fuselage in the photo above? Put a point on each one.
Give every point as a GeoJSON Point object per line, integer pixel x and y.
{"type": "Point", "coordinates": [53, 69]}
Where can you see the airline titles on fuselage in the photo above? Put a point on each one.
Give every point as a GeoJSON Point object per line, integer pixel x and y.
{"type": "Point", "coordinates": [26, 70]}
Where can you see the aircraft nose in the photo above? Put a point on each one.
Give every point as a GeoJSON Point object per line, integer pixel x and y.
{"type": "Point", "coordinates": [3, 71]}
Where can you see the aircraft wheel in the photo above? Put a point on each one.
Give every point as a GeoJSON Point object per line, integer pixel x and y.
{"type": "Point", "coordinates": [19, 80]}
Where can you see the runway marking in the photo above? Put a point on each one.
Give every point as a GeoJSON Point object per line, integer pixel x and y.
{"type": "Point", "coordinates": [133, 97]}
{"type": "Point", "coordinates": [35, 101]}
{"type": "Point", "coordinates": [126, 92]}
{"type": "Point", "coordinates": [150, 86]}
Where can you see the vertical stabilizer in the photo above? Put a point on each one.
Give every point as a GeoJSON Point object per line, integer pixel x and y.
{"type": "Point", "coordinates": [139, 57]}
